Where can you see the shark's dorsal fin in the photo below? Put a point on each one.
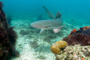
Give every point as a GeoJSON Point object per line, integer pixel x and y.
{"type": "Point", "coordinates": [49, 13]}
{"type": "Point", "coordinates": [58, 15]}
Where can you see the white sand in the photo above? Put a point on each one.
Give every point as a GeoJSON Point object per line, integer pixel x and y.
{"type": "Point", "coordinates": [41, 52]}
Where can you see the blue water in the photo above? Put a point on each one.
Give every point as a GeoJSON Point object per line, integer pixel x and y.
{"type": "Point", "coordinates": [79, 9]}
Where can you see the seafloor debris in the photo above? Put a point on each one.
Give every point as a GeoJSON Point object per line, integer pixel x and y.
{"type": "Point", "coordinates": [57, 46]}
{"type": "Point", "coordinates": [81, 36]}
{"type": "Point", "coordinates": [7, 38]}
{"type": "Point", "coordinates": [76, 52]}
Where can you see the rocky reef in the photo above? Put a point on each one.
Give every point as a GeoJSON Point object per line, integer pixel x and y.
{"type": "Point", "coordinates": [81, 36]}
{"type": "Point", "coordinates": [78, 45]}
{"type": "Point", "coordinates": [7, 38]}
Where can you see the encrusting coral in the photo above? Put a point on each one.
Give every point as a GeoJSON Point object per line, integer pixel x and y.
{"type": "Point", "coordinates": [7, 37]}
{"type": "Point", "coordinates": [57, 46]}
{"type": "Point", "coordinates": [81, 36]}
{"type": "Point", "coordinates": [76, 52]}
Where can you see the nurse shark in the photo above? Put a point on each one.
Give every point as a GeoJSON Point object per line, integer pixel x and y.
{"type": "Point", "coordinates": [56, 23]}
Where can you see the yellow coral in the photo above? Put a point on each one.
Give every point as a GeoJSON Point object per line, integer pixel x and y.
{"type": "Point", "coordinates": [55, 48]}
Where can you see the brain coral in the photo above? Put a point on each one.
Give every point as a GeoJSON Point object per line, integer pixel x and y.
{"type": "Point", "coordinates": [56, 47]}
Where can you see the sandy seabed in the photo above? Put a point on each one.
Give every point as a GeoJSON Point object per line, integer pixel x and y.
{"type": "Point", "coordinates": [32, 46]}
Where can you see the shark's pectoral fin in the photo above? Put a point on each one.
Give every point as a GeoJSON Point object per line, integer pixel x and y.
{"type": "Point", "coordinates": [42, 30]}
{"type": "Point", "coordinates": [56, 30]}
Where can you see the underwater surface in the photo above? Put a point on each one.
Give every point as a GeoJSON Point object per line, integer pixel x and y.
{"type": "Point", "coordinates": [32, 45]}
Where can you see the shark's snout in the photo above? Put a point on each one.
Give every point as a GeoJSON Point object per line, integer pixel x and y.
{"type": "Point", "coordinates": [32, 25]}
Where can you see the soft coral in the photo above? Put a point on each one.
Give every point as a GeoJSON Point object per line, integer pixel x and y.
{"type": "Point", "coordinates": [81, 36]}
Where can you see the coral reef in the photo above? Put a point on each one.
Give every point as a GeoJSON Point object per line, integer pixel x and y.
{"type": "Point", "coordinates": [81, 36]}
{"type": "Point", "coordinates": [57, 46]}
{"type": "Point", "coordinates": [76, 52]}
{"type": "Point", "coordinates": [78, 45]}
{"type": "Point", "coordinates": [7, 38]}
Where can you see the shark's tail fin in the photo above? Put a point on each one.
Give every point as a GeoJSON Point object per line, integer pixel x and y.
{"type": "Point", "coordinates": [58, 15]}
{"type": "Point", "coordinates": [49, 13]}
